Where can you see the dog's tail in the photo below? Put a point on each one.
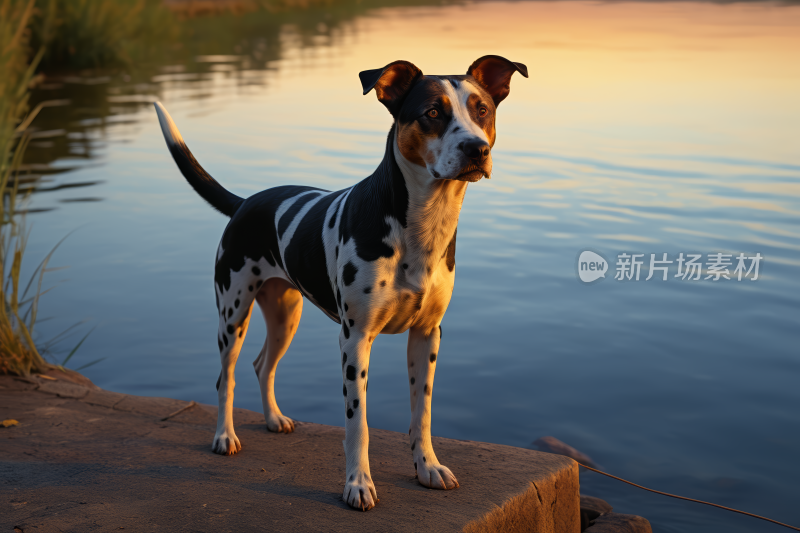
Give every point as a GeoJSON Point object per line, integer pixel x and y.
{"type": "Point", "coordinates": [212, 192]}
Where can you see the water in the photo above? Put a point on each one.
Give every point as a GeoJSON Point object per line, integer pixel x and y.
{"type": "Point", "coordinates": [644, 128]}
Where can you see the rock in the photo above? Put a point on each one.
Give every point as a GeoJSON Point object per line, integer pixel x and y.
{"type": "Point", "coordinates": [132, 469]}
{"type": "Point", "coordinates": [65, 374]}
{"type": "Point", "coordinates": [553, 445]}
{"type": "Point", "coordinates": [591, 508]}
{"type": "Point", "coordinates": [103, 398]}
{"type": "Point", "coordinates": [63, 389]}
{"type": "Point", "coordinates": [619, 523]}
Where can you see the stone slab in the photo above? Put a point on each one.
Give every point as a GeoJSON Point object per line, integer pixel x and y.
{"type": "Point", "coordinates": [620, 523]}
{"type": "Point", "coordinates": [72, 465]}
{"type": "Point", "coordinates": [64, 389]}
{"type": "Point", "coordinates": [103, 398]}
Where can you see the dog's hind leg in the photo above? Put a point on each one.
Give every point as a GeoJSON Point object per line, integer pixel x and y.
{"type": "Point", "coordinates": [423, 349]}
{"type": "Point", "coordinates": [231, 337]}
{"type": "Point", "coordinates": [282, 306]}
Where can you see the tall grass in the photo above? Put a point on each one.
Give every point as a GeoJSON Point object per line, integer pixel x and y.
{"type": "Point", "coordinates": [101, 33]}
{"type": "Point", "coordinates": [18, 352]}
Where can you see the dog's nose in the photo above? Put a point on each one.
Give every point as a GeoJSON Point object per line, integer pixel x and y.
{"type": "Point", "coordinates": [476, 150]}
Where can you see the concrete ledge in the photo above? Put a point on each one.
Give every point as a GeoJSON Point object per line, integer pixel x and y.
{"type": "Point", "coordinates": [84, 459]}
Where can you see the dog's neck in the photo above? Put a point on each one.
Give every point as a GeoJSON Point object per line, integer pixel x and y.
{"type": "Point", "coordinates": [433, 209]}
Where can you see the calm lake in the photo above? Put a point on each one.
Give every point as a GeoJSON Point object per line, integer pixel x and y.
{"type": "Point", "coordinates": [644, 128]}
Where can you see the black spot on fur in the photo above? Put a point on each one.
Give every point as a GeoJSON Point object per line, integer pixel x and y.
{"type": "Point", "coordinates": [250, 288]}
{"type": "Point", "coordinates": [415, 464]}
{"type": "Point", "coordinates": [258, 283]}
{"type": "Point", "coordinates": [236, 303]}
{"type": "Point", "coordinates": [216, 298]}
{"type": "Point", "coordinates": [367, 290]}
{"type": "Point", "coordinates": [383, 283]}
{"type": "Point", "coordinates": [344, 358]}
{"type": "Point", "coordinates": [363, 373]}
{"type": "Point", "coordinates": [440, 333]}
{"type": "Point", "coordinates": [433, 357]}
{"type": "Point", "coordinates": [349, 413]}
{"type": "Point", "coordinates": [413, 445]}
{"type": "Point", "coordinates": [351, 322]}
{"type": "Point", "coordinates": [351, 373]}
{"type": "Point", "coordinates": [355, 404]}
{"type": "Point", "coordinates": [241, 333]}
{"type": "Point", "coordinates": [349, 273]}
{"type": "Point", "coordinates": [336, 252]}
{"type": "Point", "coordinates": [451, 253]}
{"type": "Point", "coordinates": [424, 460]}
{"type": "Point", "coordinates": [344, 390]}
{"type": "Point", "coordinates": [346, 331]}
{"type": "Point", "coordinates": [230, 329]}
{"type": "Point", "coordinates": [405, 266]}
{"type": "Point", "coordinates": [425, 389]}
{"type": "Point", "coordinates": [225, 339]}
{"type": "Point", "coordinates": [223, 313]}
{"type": "Point", "coordinates": [256, 271]}
{"type": "Point", "coordinates": [240, 292]}
{"type": "Point", "coordinates": [338, 297]}
{"type": "Point", "coordinates": [351, 477]}
{"type": "Point", "coordinates": [413, 380]}
{"type": "Point", "coordinates": [219, 378]}
{"type": "Point", "coordinates": [346, 308]}
{"type": "Point", "coordinates": [230, 313]}
{"type": "Point", "coordinates": [219, 341]}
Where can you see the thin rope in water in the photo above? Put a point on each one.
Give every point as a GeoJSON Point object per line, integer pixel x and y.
{"type": "Point", "coordinates": [690, 499]}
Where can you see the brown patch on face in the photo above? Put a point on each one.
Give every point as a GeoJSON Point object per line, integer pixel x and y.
{"type": "Point", "coordinates": [424, 118]}
{"type": "Point", "coordinates": [410, 141]}
{"type": "Point", "coordinates": [475, 102]}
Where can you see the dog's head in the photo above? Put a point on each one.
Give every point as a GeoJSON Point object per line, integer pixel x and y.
{"type": "Point", "coordinates": [445, 123]}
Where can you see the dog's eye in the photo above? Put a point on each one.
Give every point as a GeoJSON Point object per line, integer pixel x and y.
{"type": "Point", "coordinates": [482, 111]}
{"type": "Point", "coordinates": [432, 113]}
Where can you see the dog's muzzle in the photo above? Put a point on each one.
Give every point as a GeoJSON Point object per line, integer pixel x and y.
{"type": "Point", "coordinates": [478, 154]}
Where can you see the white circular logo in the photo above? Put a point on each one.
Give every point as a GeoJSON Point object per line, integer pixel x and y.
{"type": "Point", "coordinates": [591, 266]}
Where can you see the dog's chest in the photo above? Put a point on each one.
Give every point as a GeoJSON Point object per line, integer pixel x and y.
{"type": "Point", "coordinates": [419, 276]}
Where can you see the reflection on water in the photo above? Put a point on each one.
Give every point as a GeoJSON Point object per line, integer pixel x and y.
{"type": "Point", "coordinates": [644, 128]}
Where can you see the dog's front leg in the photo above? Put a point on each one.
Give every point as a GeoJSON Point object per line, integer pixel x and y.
{"type": "Point", "coordinates": [359, 491]}
{"type": "Point", "coordinates": [423, 349]}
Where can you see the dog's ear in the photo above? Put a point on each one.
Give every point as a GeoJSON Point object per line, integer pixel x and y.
{"type": "Point", "coordinates": [494, 75]}
{"type": "Point", "coordinates": [391, 83]}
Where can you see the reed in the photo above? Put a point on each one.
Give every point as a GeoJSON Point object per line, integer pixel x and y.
{"type": "Point", "coordinates": [18, 352]}
{"type": "Point", "coordinates": [100, 33]}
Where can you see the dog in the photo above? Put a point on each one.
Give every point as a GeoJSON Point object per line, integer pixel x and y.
{"type": "Point", "coordinates": [377, 257]}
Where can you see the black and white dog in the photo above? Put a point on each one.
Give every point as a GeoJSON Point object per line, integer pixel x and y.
{"type": "Point", "coordinates": [377, 257]}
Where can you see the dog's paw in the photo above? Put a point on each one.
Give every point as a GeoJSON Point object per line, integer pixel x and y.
{"type": "Point", "coordinates": [359, 492]}
{"type": "Point", "coordinates": [226, 443]}
{"type": "Point", "coordinates": [277, 423]}
{"type": "Point", "coordinates": [436, 476]}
